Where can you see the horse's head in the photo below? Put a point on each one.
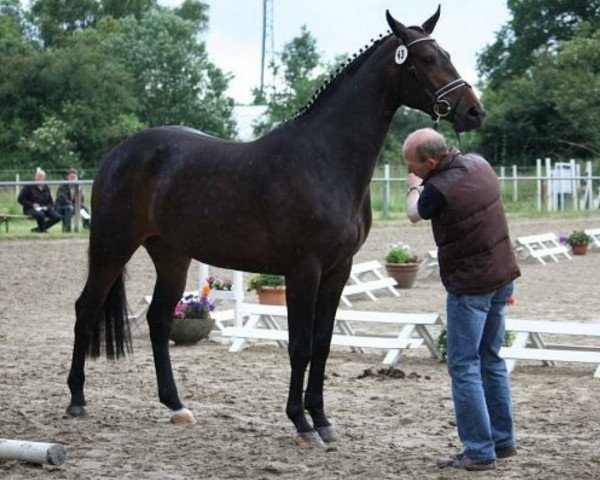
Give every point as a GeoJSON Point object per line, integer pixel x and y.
{"type": "Point", "coordinates": [430, 82]}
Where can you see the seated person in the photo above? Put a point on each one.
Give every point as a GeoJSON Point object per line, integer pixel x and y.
{"type": "Point", "coordinates": [65, 201]}
{"type": "Point", "coordinates": [37, 203]}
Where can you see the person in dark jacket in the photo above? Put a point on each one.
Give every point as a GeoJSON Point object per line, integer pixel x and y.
{"type": "Point", "coordinates": [461, 196]}
{"type": "Point", "coordinates": [37, 203]}
{"type": "Point", "coordinates": [65, 201]}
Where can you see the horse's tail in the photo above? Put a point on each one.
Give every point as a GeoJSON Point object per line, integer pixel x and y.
{"type": "Point", "coordinates": [111, 330]}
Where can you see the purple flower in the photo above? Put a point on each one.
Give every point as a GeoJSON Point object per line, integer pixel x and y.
{"type": "Point", "coordinates": [564, 239]}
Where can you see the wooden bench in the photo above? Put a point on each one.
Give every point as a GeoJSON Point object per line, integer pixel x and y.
{"type": "Point", "coordinates": [365, 278]}
{"type": "Point", "coordinates": [529, 343]}
{"type": "Point", "coordinates": [6, 218]}
{"type": "Point", "coordinates": [595, 234]}
{"type": "Point", "coordinates": [411, 330]}
{"type": "Point", "coordinates": [541, 246]}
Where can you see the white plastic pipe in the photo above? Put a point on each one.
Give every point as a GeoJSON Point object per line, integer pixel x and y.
{"type": "Point", "coordinates": [34, 452]}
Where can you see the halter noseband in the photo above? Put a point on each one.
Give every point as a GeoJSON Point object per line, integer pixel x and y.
{"type": "Point", "coordinates": [438, 96]}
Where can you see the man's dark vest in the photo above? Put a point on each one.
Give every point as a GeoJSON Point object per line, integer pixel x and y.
{"type": "Point", "coordinates": [474, 249]}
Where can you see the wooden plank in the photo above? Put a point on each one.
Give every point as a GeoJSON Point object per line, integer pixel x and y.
{"type": "Point", "coordinates": [352, 315]}
{"type": "Point", "coordinates": [338, 340]}
{"type": "Point", "coordinates": [548, 354]}
{"type": "Point", "coordinates": [548, 326]}
{"type": "Point", "coordinates": [369, 286]}
{"type": "Point", "coordinates": [365, 267]}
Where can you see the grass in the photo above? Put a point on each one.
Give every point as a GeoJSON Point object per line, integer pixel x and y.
{"type": "Point", "coordinates": [21, 230]}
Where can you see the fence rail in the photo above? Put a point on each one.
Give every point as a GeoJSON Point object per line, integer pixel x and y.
{"type": "Point", "coordinates": [547, 186]}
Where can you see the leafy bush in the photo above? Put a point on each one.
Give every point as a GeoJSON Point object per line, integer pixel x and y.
{"type": "Point", "coordinates": [579, 237]}
{"type": "Point", "coordinates": [441, 342]}
{"type": "Point", "coordinates": [266, 280]}
{"type": "Point", "coordinates": [400, 255]}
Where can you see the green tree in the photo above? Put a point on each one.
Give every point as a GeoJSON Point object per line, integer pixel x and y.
{"type": "Point", "coordinates": [297, 75]}
{"type": "Point", "coordinates": [535, 26]}
{"type": "Point", "coordinates": [50, 145]}
{"type": "Point", "coordinates": [57, 20]}
{"type": "Point", "coordinates": [553, 109]}
{"type": "Point", "coordinates": [175, 81]}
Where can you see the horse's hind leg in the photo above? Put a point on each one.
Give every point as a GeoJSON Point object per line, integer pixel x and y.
{"type": "Point", "coordinates": [328, 297]}
{"type": "Point", "coordinates": [103, 274]}
{"type": "Point", "coordinates": [171, 270]}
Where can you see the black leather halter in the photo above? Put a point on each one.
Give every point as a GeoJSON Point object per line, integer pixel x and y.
{"type": "Point", "coordinates": [441, 107]}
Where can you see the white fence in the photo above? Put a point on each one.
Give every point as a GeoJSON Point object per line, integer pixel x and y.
{"type": "Point", "coordinates": [549, 186]}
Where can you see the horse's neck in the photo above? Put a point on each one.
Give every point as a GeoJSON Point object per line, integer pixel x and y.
{"type": "Point", "coordinates": [351, 124]}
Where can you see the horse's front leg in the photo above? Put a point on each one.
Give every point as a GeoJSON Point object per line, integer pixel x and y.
{"type": "Point", "coordinates": [301, 290]}
{"type": "Point", "coordinates": [328, 298]}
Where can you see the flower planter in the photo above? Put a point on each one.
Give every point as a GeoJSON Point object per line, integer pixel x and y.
{"type": "Point", "coordinates": [405, 274]}
{"type": "Point", "coordinates": [271, 295]}
{"type": "Point", "coordinates": [187, 331]}
{"type": "Point", "coordinates": [579, 248]}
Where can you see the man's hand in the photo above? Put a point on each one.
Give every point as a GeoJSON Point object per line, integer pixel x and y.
{"type": "Point", "coordinates": [413, 181]}
{"type": "Point", "coordinates": [412, 212]}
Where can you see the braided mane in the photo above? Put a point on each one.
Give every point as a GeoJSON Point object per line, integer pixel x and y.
{"type": "Point", "coordinates": [351, 65]}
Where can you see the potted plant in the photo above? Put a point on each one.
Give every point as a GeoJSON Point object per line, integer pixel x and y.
{"type": "Point", "coordinates": [220, 289]}
{"type": "Point", "coordinates": [191, 318]}
{"type": "Point", "coordinates": [402, 265]}
{"type": "Point", "coordinates": [270, 288]}
{"type": "Point", "coordinates": [441, 343]}
{"type": "Point", "coordinates": [579, 241]}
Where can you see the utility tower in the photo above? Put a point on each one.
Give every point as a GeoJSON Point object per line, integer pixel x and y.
{"type": "Point", "coordinates": [267, 40]}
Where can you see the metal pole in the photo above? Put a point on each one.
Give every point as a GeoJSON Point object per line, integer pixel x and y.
{"type": "Point", "coordinates": [575, 183]}
{"type": "Point", "coordinates": [386, 190]}
{"type": "Point", "coordinates": [515, 184]}
{"type": "Point", "coordinates": [539, 182]}
{"type": "Point", "coordinates": [77, 207]}
{"type": "Point", "coordinates": [550, 187]}
{"type": "Point", "coordinates": [262, 56]}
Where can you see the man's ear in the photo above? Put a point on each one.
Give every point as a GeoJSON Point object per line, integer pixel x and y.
{"type": "Point", "coordinates": [432, 163]}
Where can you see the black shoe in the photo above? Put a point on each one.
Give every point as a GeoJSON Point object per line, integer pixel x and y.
{"type": "Point", "coordinates": [35, 229]}
{"type": "Point", "coordinates": [506, 452]}
{"type": "Point", "coordinates": [461, 461]}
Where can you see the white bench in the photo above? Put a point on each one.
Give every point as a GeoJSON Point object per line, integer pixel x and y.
{"type": "Point", "coordinates": [541, 246]}
{"type": "Point", "coordinates": [595, 234]}
{"type": "Point", "coordinates": [411, 330]}
{"type": "Point", "coordinates": [361, 281]}
{"type": "Point", "coordinates": [529, 343]}
{"type": "Point", "coordinates": [430, 263]}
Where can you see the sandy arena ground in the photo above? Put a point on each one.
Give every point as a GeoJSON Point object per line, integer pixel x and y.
{"type": "Point", "coordinates": [390, 427]}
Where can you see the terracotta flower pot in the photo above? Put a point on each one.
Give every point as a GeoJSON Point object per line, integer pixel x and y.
{"type": "Point", "coordinates": [405, 274]}
{"type": "Point", "coordinates": [187, 331]}
{"type": "Point", "coordinates": [579, 248]}
{"type": "Point", "coordinates": [271, 295]}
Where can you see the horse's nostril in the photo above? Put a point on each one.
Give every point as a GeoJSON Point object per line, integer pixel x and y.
{"type": "Point", "coordinates": [476, 113]}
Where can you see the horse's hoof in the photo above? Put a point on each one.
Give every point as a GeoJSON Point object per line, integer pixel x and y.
{"type": "Point", "coordinates": [328, 434]}
{"type": "Point", "coordinates": [183, 417]}
{"type": "Point", "coordinates": [76, 411]}
{"type": "Point", "coordinates": [309, 439]}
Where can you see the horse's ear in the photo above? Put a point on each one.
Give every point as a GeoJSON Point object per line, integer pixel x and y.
{"type": "Point", "coordinates": [429, 25]}
{"type": "Point", "coordinates": [397, 28]}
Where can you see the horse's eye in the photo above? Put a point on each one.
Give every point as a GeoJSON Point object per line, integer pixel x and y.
{"type": "Point", "coordinates": [429, 59]}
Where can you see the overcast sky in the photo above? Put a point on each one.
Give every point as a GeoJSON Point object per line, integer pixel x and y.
{"type": "Point", "coordinates": [342, 27]}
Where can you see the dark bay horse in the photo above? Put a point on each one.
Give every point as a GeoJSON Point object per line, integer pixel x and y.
{"type": "Point", "coordinates": [294, 202]}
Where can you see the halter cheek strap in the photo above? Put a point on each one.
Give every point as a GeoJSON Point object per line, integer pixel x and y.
{"type": "Point", "coordinates": [441, 107]}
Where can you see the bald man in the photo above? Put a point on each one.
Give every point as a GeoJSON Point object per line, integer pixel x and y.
{"type": "Point", "coordinates": [37, 203]}
{"type": "Point", "coordinates": [461, 196]}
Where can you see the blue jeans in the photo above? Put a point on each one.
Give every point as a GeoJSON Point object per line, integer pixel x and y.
{"type": "Point", "coordinates": [480, 382]}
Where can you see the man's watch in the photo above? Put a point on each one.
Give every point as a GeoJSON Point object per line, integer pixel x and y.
{"type": "Point", "coordinates": [410, 189]}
